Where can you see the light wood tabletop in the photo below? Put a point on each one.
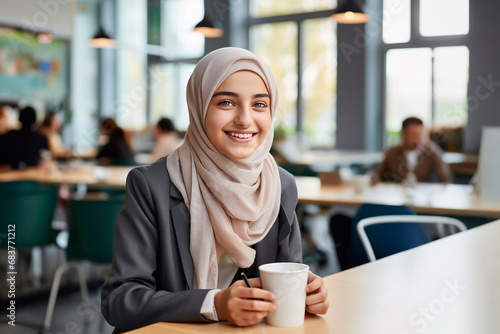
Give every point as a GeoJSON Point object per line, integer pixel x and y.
{"type": "Point", "coordinates": [447, 286]}
{"type": "Point", "coordinates": [424, 198]}
{"type": "Point", "coordinates": [111, 176]}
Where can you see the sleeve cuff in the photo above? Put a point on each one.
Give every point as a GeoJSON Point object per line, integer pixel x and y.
{"type": "Point", "coordinates": [208, 308]}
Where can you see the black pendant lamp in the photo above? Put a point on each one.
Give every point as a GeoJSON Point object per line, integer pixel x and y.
{"type": "Point", "coordinates": [350, 13]}
{"type": "Point", "coordinates": [101, 40]}
{"type": "Point", "coordinates": [209, 28]}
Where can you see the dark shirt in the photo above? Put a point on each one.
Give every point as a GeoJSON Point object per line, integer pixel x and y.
{"type": "Point", "coordinates": [21, 148]}
{"type": "Point", "coordinates": [3, 150]}
{"type": "Point", "coordinates": [116, 149]}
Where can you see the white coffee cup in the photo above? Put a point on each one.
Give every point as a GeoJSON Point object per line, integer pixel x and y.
{"type": "Point", "coordinates": [287, 280]}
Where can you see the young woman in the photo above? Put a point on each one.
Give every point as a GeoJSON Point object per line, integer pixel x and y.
{"type": "Point", "coordinates": [215, 207]}
{"type": "Point", "coordinates": [51, 128]}
{"type": "Point", "coordinates": [116, 150]}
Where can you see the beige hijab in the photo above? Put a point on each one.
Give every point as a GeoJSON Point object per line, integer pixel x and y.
{"type": "Point", "coordinates": [232, 203]}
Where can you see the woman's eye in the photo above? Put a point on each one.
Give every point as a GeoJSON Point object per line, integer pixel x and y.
{"type": "Point", "coordinates": [225, 103]}
{"type": "Point", "coordinates": [260, 105]}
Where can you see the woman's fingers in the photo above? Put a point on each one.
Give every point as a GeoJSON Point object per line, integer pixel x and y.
{"type": "Point", "coordinates": [317, 295]}
{"type": "Point", "coordinates": [320, 308]}
{"type": "Point", "coordinates": [243, 306]}
{"type": "Point", "coordinates": [314, 282]}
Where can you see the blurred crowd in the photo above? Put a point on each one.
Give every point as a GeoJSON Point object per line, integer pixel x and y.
{"type": "Point", "coordinates": [24, 142]}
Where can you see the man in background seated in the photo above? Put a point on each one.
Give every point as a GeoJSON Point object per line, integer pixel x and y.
{"type": "Point", "coordinates": [166, 138]}
{"type": "Point", "coordinates": [24, 147]}
{"type": "Point", "coordinates": [415, 159]}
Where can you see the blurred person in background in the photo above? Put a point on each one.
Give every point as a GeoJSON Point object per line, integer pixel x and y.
{"type": "Point", "coordinates": [416, 159]}
{"type": "Point", "coordinates": [4, 127]}
{"type": "Point", "coordinates": [51, 128]}
{"type": "Point", "coordinates": [24, 147]}
{"type": "Point", "coordinates": [3, 130]}
{"type": "Point", "coordinates": [116, 150]}
{"type": "Point", "coordinates": [166, 137]}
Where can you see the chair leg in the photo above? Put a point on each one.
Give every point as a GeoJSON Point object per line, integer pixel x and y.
{"type": "Point", "coordinates": [53, 295]}
{"type": "Point", "coordinates": [84, 292]}
{"type": "Point", "coordinates": [36, 266]}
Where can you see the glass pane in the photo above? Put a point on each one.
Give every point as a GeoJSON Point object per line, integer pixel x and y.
{"type": "Point", "coordinates": [131, 84]}
{"type": "Point", "coordinates": [154, 22]}
{"type": "Point", "coordinates": [168, 93]}
{"type": "Point", "coordinates": [282, 59]}
{"type": "Point", "coordinates": [451, 77]}
{"type": "Point", "coordinates": [319, 82]}
{"type": "Point", "coordinates": [178, 21]}
{"type": "Point", "coordinates": [444, 17]}
{"type": "Point", "coordinates": [408, 88]}
{"type": "Point", "coordinates": [260, 8]}
{"type": "Point", "coordinates": [396, 21]}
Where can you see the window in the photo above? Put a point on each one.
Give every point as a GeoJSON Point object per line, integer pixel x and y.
{"type": "Point", "coordinates": [156, 53]}
{"type": "Point", "coordinates": [426, 71]}
{"type": "Point", "coordinates": [282, 59]}
{"type": "Point", "coordinates": [131, 83]}
{"type": "Point", "coordinates": [167, 88]}
{"type": "Point", "coordinates": [304, 63]}
{"type": "Point", "coordinates": [444, 17]}
{"type": "Point", "coordinates": [396, 21]}
{"type": "Point", "coordinates": [181, 48]}
{"type": "Point", "coordinates": [319, 81]}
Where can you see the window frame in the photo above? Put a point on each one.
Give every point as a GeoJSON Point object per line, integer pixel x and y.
{"type": "Point", "coordinates": [417, 41]}
{"type": "Point", "coordinates": [298, 19]}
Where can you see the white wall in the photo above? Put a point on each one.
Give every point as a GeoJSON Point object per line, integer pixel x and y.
{"type": "Point", "coordinates": [39, 15]}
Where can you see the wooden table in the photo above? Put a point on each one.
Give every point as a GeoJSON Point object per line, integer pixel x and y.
{"type": "Point", "coordinates": [447, 286]}
{"type": "Point", "coordinates": [112, 176]}
{"type": "Point", "coordinates": [425, 198]}
{"type": "Point", "coordinates": [328, 160]}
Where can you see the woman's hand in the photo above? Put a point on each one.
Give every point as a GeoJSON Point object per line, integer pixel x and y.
{"type": "Point", "coordinates": [243, 306]}
{"type": "Point", "coordinates": [317, 295]}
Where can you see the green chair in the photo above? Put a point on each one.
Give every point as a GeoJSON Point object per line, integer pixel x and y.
{"type": "Point", "coordinates": [92, 224]}
{"type": "Point", "coordinates": [27, 207]}
{"type": "Point", "coordinates": [26, 210]}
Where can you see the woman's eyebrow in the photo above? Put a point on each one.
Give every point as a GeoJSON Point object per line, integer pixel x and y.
{"type": "Point", "coordinates": [260, 95]}
{"type": "Point", "coordinates": [226, 93]}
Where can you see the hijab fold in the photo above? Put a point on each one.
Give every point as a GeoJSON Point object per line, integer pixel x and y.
{"type": "Point", "coordinates": [233, 203]}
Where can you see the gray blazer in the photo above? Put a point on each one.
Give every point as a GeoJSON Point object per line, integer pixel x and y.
{"type": "Point", "coordinates": [152, 273]}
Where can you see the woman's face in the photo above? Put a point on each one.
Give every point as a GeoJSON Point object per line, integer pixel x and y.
{"type": "Point", "coordinates": [239, 115]}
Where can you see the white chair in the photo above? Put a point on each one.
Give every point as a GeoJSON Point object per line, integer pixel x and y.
{"type": "Point", "coordinates": [439, 221]}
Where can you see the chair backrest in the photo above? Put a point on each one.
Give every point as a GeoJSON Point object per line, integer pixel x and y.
{"type": "Point", "coordinates": [92, 229]}
{"type": "Point", "coordinates": [398, 238]}
{"type": "Point", "coordinates": [357, 254]}
{"type": "Point", "coordinates": [29, 206]}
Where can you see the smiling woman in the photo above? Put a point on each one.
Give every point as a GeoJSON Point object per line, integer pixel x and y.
{"type": "Point", "coordinates": [217, 206]}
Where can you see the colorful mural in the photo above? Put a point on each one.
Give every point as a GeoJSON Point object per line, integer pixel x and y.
{"type": "Point", "coordinates": [31, 72]}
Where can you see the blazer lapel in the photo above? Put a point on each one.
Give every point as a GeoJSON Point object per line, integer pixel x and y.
{"type": "Point", "coordinates": [285, 225]}
{"type": "Point", "coordinates": [181, 222]}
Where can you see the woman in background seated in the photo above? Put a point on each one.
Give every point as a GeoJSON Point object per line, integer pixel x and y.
{"type": "Point", "coordinates": [51, 127]}
{"type": "Point", "coordinates": [116, 149]}
{"type": "Point", "coordinates": [166, 138]}
{"type": "Point", "coordinates": [217, 206]}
